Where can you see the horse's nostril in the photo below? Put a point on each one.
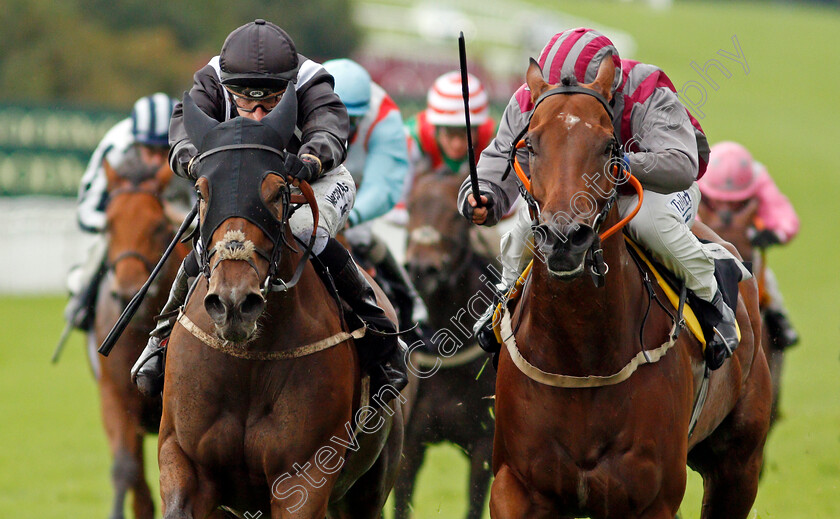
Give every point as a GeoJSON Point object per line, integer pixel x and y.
{"type": "Point", "coordinates": [252, 306]}
{"type": "Point", "coordinates": [214, 306]}
{"type": "Point", "coordinates": [581, 236]}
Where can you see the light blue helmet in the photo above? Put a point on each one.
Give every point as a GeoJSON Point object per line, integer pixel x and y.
{"type": "Point", "coordinates": [352, 84]}
{"type": "Point", "coordinates": [150, 119]}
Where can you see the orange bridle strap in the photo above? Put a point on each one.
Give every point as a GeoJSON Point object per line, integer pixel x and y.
{"type": "Point", "coordinates": [526, 184]}
{"type": "Point", "coordinates": [639, 191]}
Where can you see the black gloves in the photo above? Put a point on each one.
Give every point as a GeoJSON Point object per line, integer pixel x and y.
{"type": "Point", "coordinates": [763, 239]}
{"type": "Point", "coordinates": [305, 167]}
{"type": "Point", "coordinates": [467, 210]}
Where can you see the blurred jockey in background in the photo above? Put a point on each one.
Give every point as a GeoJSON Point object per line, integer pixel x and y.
{"type": "Point", "coordinates": [439, 133]}
{"type": "Point", "coordinates": [437, 136]}
{"type": "Point", "coordinates": [142, 139]}
{"type": "Point", "coordinates": [734, 182]}
{"type": "Point", "coordinates": [377, 158]}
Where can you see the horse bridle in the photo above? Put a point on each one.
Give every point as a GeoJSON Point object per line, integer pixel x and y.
{"type": "Point", "coordinates": [598, 267]}
{"type": "Point", "coordinates": [273, 282]}
{"type": "Point", "coordinates": [134, 188]}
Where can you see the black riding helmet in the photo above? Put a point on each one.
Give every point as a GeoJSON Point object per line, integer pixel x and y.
{"type": "Point", "coordinates": [258, 60]}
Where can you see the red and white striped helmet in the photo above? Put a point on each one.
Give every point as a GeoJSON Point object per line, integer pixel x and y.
{"type": "Point", "coordinates": [445, 101]}
{"type": "Point", "coordinates": [578, 52]}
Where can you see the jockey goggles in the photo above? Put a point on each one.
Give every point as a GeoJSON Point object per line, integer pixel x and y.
{"type": "Point", "coordinates": [248, 99]}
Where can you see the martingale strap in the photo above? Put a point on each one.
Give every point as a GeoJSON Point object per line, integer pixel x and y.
{"type": "Point", "coordinates": [233, 350]}
{"type": "Point", "coordinates": [568, 381]}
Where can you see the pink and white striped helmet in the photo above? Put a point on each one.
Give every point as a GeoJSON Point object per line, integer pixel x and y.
{"type": "Point", "coordinates": [445, 101]}
{"type": "Point", "coordinates": [578, 52]}
{"type": "Point", "coordinates": [730, 176]}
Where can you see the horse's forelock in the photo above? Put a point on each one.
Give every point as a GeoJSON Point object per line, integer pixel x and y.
{"type": "Point", "coordinates": [133, 169]}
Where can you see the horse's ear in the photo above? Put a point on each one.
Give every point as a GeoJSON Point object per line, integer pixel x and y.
{"type": "Point", "coordinates": [196, 122]}
{"type": "Point", "coordinates": [283, 117]}
{"type": "Point", "coordinates": [604, 80]}
{"type": "Point", "coordinates": [163, 176]}
{"type": "Point", "coordinates": [111, 176]}
{"type": "Point", "coordinates": [534, 78]}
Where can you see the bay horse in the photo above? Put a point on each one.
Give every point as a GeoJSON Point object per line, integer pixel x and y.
{"type": "Point", "coordinates": [137, 231]}
{"type": "Point", "coordinates": [453, 402]}
{"type": "Point", "coordinates": [263, 404]}
{"type": "Point", "coordinates": [590, 438]}
{"type": "Point", "coordinates": [732, 224]}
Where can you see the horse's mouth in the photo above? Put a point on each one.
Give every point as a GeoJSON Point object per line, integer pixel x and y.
{"type": "Point", "coordinates": [566, 275]}
{"type": "Point", "coordinates": [239, 334]}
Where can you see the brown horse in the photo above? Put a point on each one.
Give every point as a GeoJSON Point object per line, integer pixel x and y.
{"type": "Point", "coordinates": [137, 230]}
{"type": "Point", "coordinates": [265, 417]}
{"type": "Point", "coordinates": [451, 404]}
{"type": "Point", "coordinates": [574, 444]}
{"type": "Point", "coordinates": [732, 224]}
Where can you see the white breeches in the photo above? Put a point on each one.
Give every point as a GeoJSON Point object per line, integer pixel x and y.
{"type": "Point", "coordinates": [335, 192]}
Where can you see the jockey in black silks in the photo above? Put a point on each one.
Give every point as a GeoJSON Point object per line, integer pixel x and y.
{"type": "Point", "coordinates": [257, 63]}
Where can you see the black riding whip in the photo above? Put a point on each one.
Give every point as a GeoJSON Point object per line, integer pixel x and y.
{"type": "Point", "coordinates": [134, 304]}
{"type": "Point", "coordinates": [465, 91]}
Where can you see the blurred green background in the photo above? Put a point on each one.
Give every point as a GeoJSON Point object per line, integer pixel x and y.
{"type": "Point", "coordinates": [54, 461]}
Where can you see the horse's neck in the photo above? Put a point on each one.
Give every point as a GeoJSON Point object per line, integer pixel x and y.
{"type": "Point", "coordinates": [593, 327]}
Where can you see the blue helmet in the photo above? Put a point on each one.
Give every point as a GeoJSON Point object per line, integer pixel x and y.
{"type": "Point", "coordinates": [352, 84]}
{"type": "Point", "coordinates": [150, 119]}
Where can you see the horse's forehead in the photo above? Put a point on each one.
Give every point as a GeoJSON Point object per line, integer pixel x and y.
{"type": "Point", "coordinates": [569, 112]}
{"type": "Point", "coordinates": [137, 206]}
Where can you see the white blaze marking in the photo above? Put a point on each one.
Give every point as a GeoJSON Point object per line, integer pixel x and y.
{"type": "Point", "coordinates": [570, 119]}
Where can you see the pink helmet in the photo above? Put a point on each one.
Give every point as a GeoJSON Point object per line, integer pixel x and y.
{"type": "Point", "coordinates": [729, 176]}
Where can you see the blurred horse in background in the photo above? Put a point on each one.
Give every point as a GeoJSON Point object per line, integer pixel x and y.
{"type": "Point", "coordinates": [453, 402]}
{"type": "Point", "coordinates": [137, 230]}
{"type": "Point", "coordinates": [733, 223]}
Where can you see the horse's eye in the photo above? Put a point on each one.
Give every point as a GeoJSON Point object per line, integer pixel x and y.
{"type": "Point", "coordinates": [528, 145]}
{"type": "Point", "coordinates": [274, 197]}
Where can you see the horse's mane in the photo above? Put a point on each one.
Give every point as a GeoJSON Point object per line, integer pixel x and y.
{"type": "Point", "coordinates": [568, 81]}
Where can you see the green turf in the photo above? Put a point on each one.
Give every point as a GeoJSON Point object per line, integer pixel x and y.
{"type": "Point", "coordinates": [54, 461]}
